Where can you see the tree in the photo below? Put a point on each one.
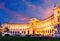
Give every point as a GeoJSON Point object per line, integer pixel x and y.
{"type": "Point", "coordinates": [6, 29]}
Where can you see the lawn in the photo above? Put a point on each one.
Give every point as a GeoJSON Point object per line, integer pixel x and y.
{"type": "Point", "coordinates": [18, 38]}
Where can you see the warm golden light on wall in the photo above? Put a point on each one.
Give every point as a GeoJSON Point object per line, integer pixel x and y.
{"type": "Point", "coordinates": [35, 26]}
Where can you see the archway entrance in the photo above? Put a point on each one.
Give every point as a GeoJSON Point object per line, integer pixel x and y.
{"type": "Point", "coordinates": [28, 32]}
{"type": "Point", "coordinates": [33, 32]}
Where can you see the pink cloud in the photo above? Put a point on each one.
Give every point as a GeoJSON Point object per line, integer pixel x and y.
{"type": "Point", "coordinates": [48, 12]}
{"type": "Point", "coordinates": [43, 12]}
{"type": "Point", "coordinates": [23, 18]}
{"type": "Point", "coordinates": [38, 9]}
{"type": "Point", "coordinates": [17, 15]}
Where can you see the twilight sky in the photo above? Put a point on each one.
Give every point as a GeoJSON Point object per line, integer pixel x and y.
{"type": "Point", "coordinates": [20, 11]}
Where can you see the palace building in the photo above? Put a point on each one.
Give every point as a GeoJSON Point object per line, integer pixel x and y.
{"type": "Point", "coordinates": [35, 26]}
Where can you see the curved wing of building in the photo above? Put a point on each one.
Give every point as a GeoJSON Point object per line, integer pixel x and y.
{"type": "Point", "coordinates": [35, 26]}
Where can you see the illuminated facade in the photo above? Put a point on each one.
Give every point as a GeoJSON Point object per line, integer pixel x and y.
{"type": "Point", "coordinates": [35, 26]}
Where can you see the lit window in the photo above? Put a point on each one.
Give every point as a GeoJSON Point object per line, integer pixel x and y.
{"type": "Point", "coordinates": [16, 27]}
{"type": "Point", "coordinates": [13, 27]}
{"type": "Point", "coordinates": [10, 28]}
{"type": "Point", "coordinates": [40, 25]}
{"type": "Point", "coordinates": [45, 24]}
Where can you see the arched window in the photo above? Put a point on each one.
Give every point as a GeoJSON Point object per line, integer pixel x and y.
{"type": "Point", "coordinates": [11, 32]}
{"type": "Point", "coordinates": [24, 32]}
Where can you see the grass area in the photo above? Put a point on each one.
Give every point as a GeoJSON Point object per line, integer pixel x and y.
{"type": "Point", "coordinates": [18, 38]}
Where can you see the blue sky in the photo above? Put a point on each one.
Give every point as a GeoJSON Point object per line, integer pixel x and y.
{"type": "Point", "coordinates": [20, 11]}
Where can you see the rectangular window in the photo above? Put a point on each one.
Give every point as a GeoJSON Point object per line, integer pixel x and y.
{"type": "Point", "coordinates": [58, 19]}
{"type": "Point", "coordinates": [58, 25]}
